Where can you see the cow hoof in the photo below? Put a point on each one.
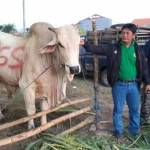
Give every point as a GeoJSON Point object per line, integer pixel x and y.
{"type": "Point", "coordinates": [1, 116]}
{"type": "Point", "coordinates": [67, 100]}
{"type": "Point", "coordinates": [31, 125]}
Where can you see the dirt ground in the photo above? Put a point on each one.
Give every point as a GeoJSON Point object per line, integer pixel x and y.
{"type": "Point", "coordinates": [79, 88]}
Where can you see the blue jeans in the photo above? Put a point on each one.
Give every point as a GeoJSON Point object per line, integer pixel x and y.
{"type": "Point", "coordinates": [130, 93]}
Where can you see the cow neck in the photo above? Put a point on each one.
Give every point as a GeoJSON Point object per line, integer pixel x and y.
{"type": "Point", "coordinates": [45, 70]}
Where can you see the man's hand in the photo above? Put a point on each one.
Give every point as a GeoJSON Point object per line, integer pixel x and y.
{"type": "Point", "coordinates": [147, 88]}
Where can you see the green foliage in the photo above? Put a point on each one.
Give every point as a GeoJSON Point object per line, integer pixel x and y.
{"type": "Point", "coordinates": [1, 27]}
{"type": "Point", "coordinates": [7, 28]}
{"type": "Point", "coordinates": [82, 31]}
{"type": "Point", "coordinates": [68, 142]}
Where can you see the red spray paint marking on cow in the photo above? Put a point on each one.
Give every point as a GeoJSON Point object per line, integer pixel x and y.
{"type": "Point", "coordinates": [4, 59]}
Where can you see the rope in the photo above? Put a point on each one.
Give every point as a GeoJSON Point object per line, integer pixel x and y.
{"type": "Point", "coordinates": [37, 77]}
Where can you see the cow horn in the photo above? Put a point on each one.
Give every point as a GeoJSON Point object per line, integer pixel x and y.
{"type": "Point", "coordinates": [52, 29]}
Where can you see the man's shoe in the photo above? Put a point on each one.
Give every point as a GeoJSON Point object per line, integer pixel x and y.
{"type": "Point", "coordinates": [135, 134]}
{"type": "Point", "coordinates": [117, 135]}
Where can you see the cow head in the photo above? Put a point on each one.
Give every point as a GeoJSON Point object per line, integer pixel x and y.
{"type": "Point", "coordinates": [68, 46]}
{"type": "Point", "coordinates": [68, 42]}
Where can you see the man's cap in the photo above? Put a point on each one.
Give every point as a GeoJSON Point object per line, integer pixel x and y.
{"type": "Point", "coordinates": [82, 37]}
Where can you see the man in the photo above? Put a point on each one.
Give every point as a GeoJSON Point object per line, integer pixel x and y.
{"type": "Point", "coordinates": [82, 42]}
{"type": "Point", "coordinates": [145, 106]}
{"type": "Point", "coordinates": [126, 70]}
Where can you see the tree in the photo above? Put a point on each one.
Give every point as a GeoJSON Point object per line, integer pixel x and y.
{"type": "Point", "coordinates": [8, 28]}
{"type": "Point", "coordinates": [82, 31]}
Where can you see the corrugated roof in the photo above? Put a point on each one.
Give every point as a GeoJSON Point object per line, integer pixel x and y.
{"type": "Point", "coordinates": [93, 16]}
{"type": "Point", "coordinates": [144, 22]}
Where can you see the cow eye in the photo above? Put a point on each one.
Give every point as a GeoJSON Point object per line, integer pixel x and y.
{"type": "Point", "coordinates": [61, 45]}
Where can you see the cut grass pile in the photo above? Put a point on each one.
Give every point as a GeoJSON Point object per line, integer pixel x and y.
{"type": "Point", "coordinates": [70, 142]}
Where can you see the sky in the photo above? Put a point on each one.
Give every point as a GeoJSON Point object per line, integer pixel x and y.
{"type": "Point", "coordinates": [61, 12]}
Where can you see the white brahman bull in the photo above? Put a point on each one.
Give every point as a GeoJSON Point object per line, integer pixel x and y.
{"type": "Point", "coordinates": [40, 64]}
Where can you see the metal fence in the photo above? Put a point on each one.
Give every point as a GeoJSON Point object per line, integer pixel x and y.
{"type": "Point", "coordinates": [112, 35]}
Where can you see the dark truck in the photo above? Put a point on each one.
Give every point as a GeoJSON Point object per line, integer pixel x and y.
{"type": "Point", "coordinates": [107, 36]}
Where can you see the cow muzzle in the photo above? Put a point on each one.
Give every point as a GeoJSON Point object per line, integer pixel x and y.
{"type": "Point", "coordinates": [74, 70]}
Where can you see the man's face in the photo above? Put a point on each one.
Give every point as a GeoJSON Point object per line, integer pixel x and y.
{"type": "Point", "coordinates": [82, 42]}
{"type": "Point", "coordinates": [127, 36]}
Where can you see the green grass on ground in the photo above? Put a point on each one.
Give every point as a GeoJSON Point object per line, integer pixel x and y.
{"type": "Point", "coordinates": [70, 142]}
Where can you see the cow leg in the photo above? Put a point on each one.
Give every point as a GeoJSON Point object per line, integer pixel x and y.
{"type": "Point", "coordinates": [64, 85]}
{"type": "Point", "coordinates": [44, 106]}
{"type": "Point", "coordinates": [10, 90]}
{"type": "Point", "coordinates": [29, 97]}
{"type": "Point", "coordinates": [1, 114]}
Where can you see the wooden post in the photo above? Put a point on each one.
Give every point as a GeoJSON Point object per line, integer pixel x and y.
{"type": "Point", "coordinates": [96, 76]}
{"type": "Point", "coordinates": [25, 119]}
{"type": "Point", "coordinates": [33, 132]}
{"type": "Point", "coordinates": [24, 19]}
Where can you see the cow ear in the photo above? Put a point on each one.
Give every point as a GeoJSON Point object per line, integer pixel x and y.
{"type": "Point", "coordinates": [48, 49]}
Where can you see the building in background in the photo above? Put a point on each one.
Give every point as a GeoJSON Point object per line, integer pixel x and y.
{"type": "Point", "coordinates": [101, 23]}
{"type": "Point", "coordinates": [143, 22]}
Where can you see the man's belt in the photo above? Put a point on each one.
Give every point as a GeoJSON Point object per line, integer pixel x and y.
{"type": "Point", "coordinates": [127, 81]}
